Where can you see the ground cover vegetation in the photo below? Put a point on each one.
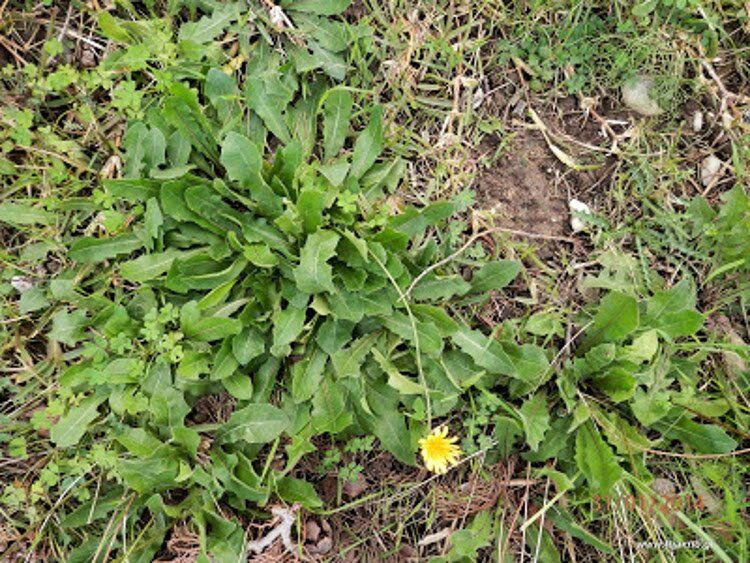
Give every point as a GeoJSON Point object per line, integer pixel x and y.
{"type": "Point", "coordinates": [355, 281]}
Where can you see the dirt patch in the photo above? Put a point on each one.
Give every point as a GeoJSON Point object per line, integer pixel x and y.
{"type": "Point", "coordinates": [526, 186]}
{"type": "Point", "coordinates": [520, 188]}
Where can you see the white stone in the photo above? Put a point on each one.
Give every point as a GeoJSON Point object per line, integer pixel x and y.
{"type": "Point", "coordinates": [21, 284]}
{"type": "Point", "coordinates": [710, 169]}
{"type": "Point", "coordinates": [576, 223]}
{"type": "Point", "coordinates": [697, 121]}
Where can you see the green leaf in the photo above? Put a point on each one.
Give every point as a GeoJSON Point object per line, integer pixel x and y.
{"type": "Point", "coordinates": [368, 146]}
{"type": "Point", "coordinates": [618, 383]}
{"type": "Point", "coordinates": [650, 407]}
{"type": "Point", "coordinates": [333, 65]}
{"type": "Point", "coordinates": [390, 428]}
{"type": "Point", "coordinates": [68, 327]}
{"type": "Point", "coordinates": [206, 329]}
{"type": "Point", "coordinates": [201, 272]}
{"type": "Point", "coordinates": [335, 171]}
{"type": "Point", "coordinates": [644, 8]}
{"type": "Point", "coordinates": [465, 543]}
{"type": "Point", "coordinates": [89, 250]}
{"type": "Point", "coordinates": [333, 334]}
{"type": "Point", "coordinates": [347, 361]}
{"type": "Point", "coordinates": [154, 149]}
{"type": "Point", "coordinates": [430, 340]}
{"type": "Point", "coordinates": [210, 27]}
{"type": "Point", "coordinates": [134, 142]}
{"type": "Point", "coordinates": [308, 374]}
{"type": "Point", "coordinates": [287, 326]}
{"type": "Point", "coordinates": [260, 255]}
{"type": "Point", "coordinates": [534, 415]}
{"type": "Point", "coordinates": [485, 352]}
{"type": "Point", "coordinates": [69, 430]}
{"type": "Point", "coordinates": [704, 438]}
{"type": "Point", "coordinates": [330, 34]}
{"type": "Point", "coordinates": [256, 423]}
{"type": "Point", "coordinates": [616, 317]}
{"type": "Point", "coordinates": [248, 345]}
{"type": "Point", "coordinates": [310, 205]}
{"type": "Point", "coordinates": [642, 349]}
{"type": "Point", "coordinates": [32, 300]}
{"type": "Point", "coordinates": [532, 366]}
{"type": "Point", "coordinates": [495, 275]}
{"type": "Point", "coordinates": [241, 159]}
{"type": "Point", "coordinates": [681, 323]}
{"type": "Point", "coordinates": [596, 460]}
{"type": "Point", "coordinates": [673, 300]}
{"type": "Point", "coordinates": [413, 221]}
{"type": "Point", "coordinates": [269, 98]}
{"type": "Point", "coordinates": [436, 288]}
{"type": "Point", "coordinates": [239, 385]}
{"type": "Point", "coordinates": [243, 163]}
{"type": "Point", "coordinates": [337, 111]}
{"type": "Point", "coordinates": [152, 474]}
{"type": "Point", "coordinates": [320, 7]}
{"type": "Point", "coordinates": [225, 363]}
{"type": "Point", "coordinates": [111, 28]}
{"type": "Point", "coordinates": [192, 365]}
{"type": "Point", "coordinates": [314, 275]}
{"type": "Point", "coordinates": [152, 219]}
{"type": "Point", "coordinates": [22, 214]}
{"type": "Point", "coordinates": [297, 490]}
{"type": "Point", "coordinates": [149, 266]}
{"type": "Point", "coordinates": [138, 441]}
{"type": "Point", "coordinates": [396, 379]}
{"type": "Point", "coordinates": [221, 89]}
{"type": "Point", "coordinates": [183, 112]}
{"type": "Point", "coordinates": [347, 306]}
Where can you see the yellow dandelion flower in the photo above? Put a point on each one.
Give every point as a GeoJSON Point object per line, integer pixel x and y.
{"type": "Point", "coordinates": [439, 452]}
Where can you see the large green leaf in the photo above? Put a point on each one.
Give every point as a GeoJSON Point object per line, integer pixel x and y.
{"type": "Point", "coordinates": [390, 428]}
{"type": "Point", "coordinates": [308, 374]}
{"type": "Point", "coordinates": [616, 317]}
{"type": "Point", "coordinates": [71, 427]}
{"type": "Point", "coordinates": [210, 27]}
{"type": "Point", "coordinates": [704, 438]}
{"type": "Point", "coordinates": [269, 96]}
{"type": "Point", "coordinates": [149, 266]}
{"type": "Point", "coordinates": [287, 326]}
{"type": "Point", "coordinates": [368, 146]}
{"type": "Point", "coordinates": [314, 274]}
{"type": "Point", "coordinates": [495, 275]}
{"type": "Point", "coordinates": [22, 214]}
{"type": "Point", "coordinates": [596, 460]}
{"type": "Point", "coordinates": [337, 111]}
{"type": "Point", "coordinates": [68, 327]}
{"type": "Point", "coordinates": [255, 423]}
{"type": "Point", "coordinates": [437, 288]}
{"type": "Point", "coordinates": [89, 250]}
{"type": "Point", "coordinates": [243, 163]}
{"type": "Point", "coordinates": [535, 417]}
{"type": "Point", "coordinates": [321, 7]}
{"type": "Point", "coordinates": [485, 352]}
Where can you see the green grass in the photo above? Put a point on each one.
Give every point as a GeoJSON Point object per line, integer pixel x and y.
{"type": "Point", "coordinates": [252, 294]}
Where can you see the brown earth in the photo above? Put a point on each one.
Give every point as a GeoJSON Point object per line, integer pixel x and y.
{"type": "Point", "coordinates": [527, 187]}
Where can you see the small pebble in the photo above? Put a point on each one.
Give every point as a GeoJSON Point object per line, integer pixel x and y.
{"type": "Point", "coordinates": [710, 168]}
{"type": "Point", "coordinates": [697, 121]}
{"type": "Point", "coordinates": [21, 284]}
{"type": "Point", "coordinates": [576, 223]}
